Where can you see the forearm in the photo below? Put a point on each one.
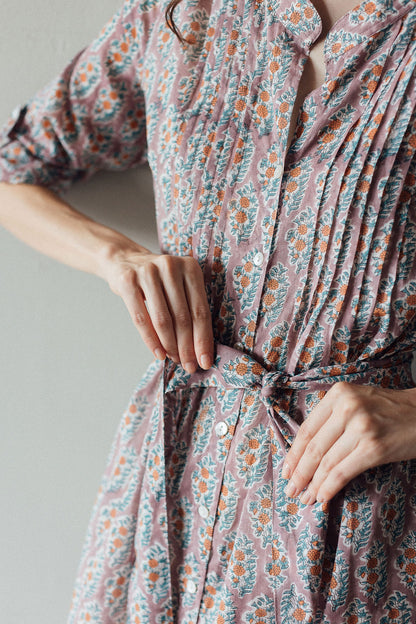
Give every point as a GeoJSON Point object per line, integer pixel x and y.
{"type": "Point", "coordinates": [44, 221]}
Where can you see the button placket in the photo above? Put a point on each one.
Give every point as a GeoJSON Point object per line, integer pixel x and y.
{"type": "Point", "coordinates": [222, 444]}
{"type": "Point", "coordinates": [272, 206]}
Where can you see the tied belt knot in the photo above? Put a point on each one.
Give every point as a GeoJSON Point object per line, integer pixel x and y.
{"type": "Point", "coordinates": [271, 381]}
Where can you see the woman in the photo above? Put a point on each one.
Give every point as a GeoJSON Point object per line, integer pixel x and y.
{"type": "Point", "coordinates": [264, 470]}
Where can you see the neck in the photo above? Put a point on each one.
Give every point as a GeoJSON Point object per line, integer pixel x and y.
{"type": "Point", "coordinates": [331, 10]}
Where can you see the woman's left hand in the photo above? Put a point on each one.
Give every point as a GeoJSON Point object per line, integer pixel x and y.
{"type": "Point", "coordinates": [353, 428]}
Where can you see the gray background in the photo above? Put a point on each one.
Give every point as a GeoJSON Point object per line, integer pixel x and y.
{"type": "Point", "coordinates": [70, 354]}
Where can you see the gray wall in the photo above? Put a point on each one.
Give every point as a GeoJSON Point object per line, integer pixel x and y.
{"type": "Point", "coordinates": [70, 355]}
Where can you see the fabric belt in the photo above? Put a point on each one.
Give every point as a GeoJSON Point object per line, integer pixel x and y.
{"type": "Point", "coordinates": [235, 369]}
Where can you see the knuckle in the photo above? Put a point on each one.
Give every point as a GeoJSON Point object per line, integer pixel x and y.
{"type": "Point", "coordinates": [326, 464]}
{"type": "Point", "coordinates": [140, 319]}
{"type": "Point", "coordinates": [182, 319]}
{"type": "Point", "coordinates": [314, 451]}
{"type": "Point", "coordinates": [353, 404]}
{"type": "Point", "coordinates": [340, 388]}
{"type": "Point", "coordinates": [336, 388]}
{"type": "Point", "coordinates": [348, 406]}
{"type": "Point", "coordinates": [305, 431]}
{"type": "Point", "coordinates": [338, 478]}
{"type": "Point", "coordinates": [127, 277]}
{"type": "Point", "coordinates": [293, 463]}
{"type": "Point", "coordinates": [200, 313]}
{"type": "Point", "coordinates": [363, 423]}
{"type": "Point", "coordinates": [148, 270]}
{"type": "Point", "coordinates": [298, 476]}
{"type": "Point", "coordinates": [162, 321]}
{"type": "Point", "coordinates": [169, 264]}
{"type": "Point", "coordinates": [191, 263]}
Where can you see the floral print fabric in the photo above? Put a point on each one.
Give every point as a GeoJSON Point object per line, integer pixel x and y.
{"type": "Point", "coordinates": [308, 255]}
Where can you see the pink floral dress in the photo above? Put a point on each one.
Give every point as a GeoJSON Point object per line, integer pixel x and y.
{"type": "Point", "coordinates": [308, 254]}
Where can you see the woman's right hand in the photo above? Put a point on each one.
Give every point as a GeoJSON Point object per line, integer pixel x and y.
{"type": "Point", "coordinates": [166, 298]}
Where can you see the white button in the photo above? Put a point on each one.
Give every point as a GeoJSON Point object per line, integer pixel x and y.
{"type": "Point", "coordinates": [191, 587]}
{"type": "Point", "coordinates": [15, 113]}
{"type": "Point", "coordinates": [238, 345]}
{"type": "Point", "coordinates": [279, 171]}
{"type": "Point", "coordinates": [221, 428]}
{"type": "Point", "coordinates": [203, 511]}
{"type": "Point", "coordinates": [258, 258]}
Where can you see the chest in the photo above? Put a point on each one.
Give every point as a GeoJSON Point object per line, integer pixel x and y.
{"type": "Point", "coordinates": [220, 121]}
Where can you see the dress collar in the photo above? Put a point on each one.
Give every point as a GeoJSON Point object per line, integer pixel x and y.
{"type": "Point", "coordinates": [303, 22]}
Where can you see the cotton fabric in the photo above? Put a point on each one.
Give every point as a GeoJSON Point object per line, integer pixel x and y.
{"type": "Point", "coordinates": [308, 256]}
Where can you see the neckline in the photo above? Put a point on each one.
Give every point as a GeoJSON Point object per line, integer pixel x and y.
{"type": "Point", "coordinates": [304, 24]}
{"type": "Point", "coordinates": [339, 27]}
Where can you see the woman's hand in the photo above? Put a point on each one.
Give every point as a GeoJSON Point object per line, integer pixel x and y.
{"type": "Point", "coordinates": [353, 428]}
{"type": "Point", "coordinates": [176, 318]}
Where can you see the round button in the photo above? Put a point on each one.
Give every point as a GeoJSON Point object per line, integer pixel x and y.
{"type": "Point", "coordinates": [238, 345]}
{"type": "Point", "coordinates": [221, 428]}
{"type": "Point", "coordinates": [203, 511]}
{"type": "Point", "coordinates": [258, 259]}
{"type": "Point", "coordinates": [279, 171]}
{"type": "Point", "coordinates": [191, 587]}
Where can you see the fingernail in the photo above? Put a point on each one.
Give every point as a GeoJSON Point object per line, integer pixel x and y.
{"type": "Point", "coordinates": [290, 489]}
{"type": "Point", "coordinates": [306, 498]}
{"type": "Point", "coordinates": [159, 354]}
{"type": "Point", "coordinates": [285, 471]}
{"type": "Point", "coordinates": [205, 360]}
{"type": "Point", "coordinates": [190, 367]}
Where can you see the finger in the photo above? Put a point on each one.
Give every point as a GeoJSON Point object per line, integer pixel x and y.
{"type": "Point", "coordinates": [158, 308]}
{"type": "Point", "coordinates": [308, 429]}
{"type": "Point", "coordinates": [351, 466]}
{"type": "Point", "coordinates": [314, 451]}
{"type": "Point", "coordinates": [201, 316]}
{"type": "Point", "coordinates": [173, 283]}
{"type": "Point", "coordinates": [341, 449]}
{"type": "Point", "coordinates": [135, 304]}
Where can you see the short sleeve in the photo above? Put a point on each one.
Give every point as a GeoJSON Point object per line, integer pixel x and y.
{"type": "Point", "coordinates": [90, 117]}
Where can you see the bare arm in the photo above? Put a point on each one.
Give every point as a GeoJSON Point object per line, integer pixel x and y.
{"type": "Point", "coordinates": [66, 132]}
{"type": "Point", "coordinates": [41, 219]}
{"type": "Point", "coordinates": [176, 320]}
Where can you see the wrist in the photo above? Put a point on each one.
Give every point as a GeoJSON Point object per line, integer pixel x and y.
{"type": "Point", "coordinates": [116, 249]}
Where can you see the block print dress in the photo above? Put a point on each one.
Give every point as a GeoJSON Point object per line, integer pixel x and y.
{"type": "Point", "coordinates": [308, 254]}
